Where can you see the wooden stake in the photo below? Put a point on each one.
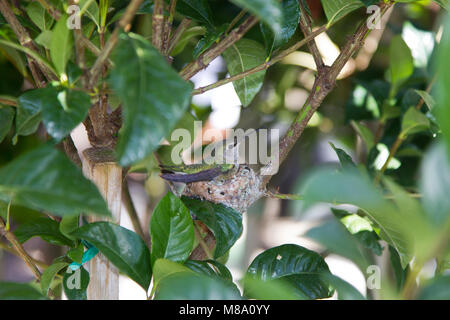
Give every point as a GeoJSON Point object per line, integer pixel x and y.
{"type": "Point", "coordinates": [100, 167]}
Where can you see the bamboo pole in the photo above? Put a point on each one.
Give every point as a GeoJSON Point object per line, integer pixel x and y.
{"type": "Point", "coordinates": [100, 167]}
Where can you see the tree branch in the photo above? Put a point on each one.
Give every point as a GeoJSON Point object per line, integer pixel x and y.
{"type": "Point", "coordinates": [205, 58]}
{"type": "Point", "coordinates": [324, 84]}
{"type": "Point", "coordinates": [263, 66]}
{"type": "Point", "coordinates": [158, 24]}
{"type": "Point", "coordinates": [168, 27]}
{"type": "Point", "coordinates": [112, 41]}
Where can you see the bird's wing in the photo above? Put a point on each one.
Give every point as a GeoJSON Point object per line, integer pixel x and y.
{"type": "Point", "coordinates": [205, 175]}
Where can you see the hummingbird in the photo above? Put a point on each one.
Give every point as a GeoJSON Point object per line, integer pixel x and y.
{"type": "Point", "coordinates": [204, 171]}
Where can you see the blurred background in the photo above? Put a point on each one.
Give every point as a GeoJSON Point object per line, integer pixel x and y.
{"type": "Point", "coordinates": [272, 222]}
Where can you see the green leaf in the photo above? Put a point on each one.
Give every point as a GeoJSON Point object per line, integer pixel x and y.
{"type": "Point", "coordinates": [365, 134]}
{"type": "Point", "coordinates": [224, 222]}
{"type": "Point", "coordinates": [344, 289]}
{"type": "Point", "coordinates": [211, 36]}
{"type": "Point", "coordinates": [442, 68]}
{"type": "Point", "coordinates": [345, 160]}
{"type": "Point", "coordinates": [171, 230]}
{"type": "Point", "coordinates": [299, 266]}
{"type": "Point", "coordinates": [62, 109]}
{"type": "Point", "coordinates": [437, 289]}
{"type": "Point", "coordinates": [76, 254]}
{"type": "Point", "coordinates": [44, 38]}
{"type": "Point", "coordinates": [44, 179]}
{"type": "Point", "coordinates": [28, 115]}
{"type": "Point", "coordinates": [49, 274]}
{"type": "Point", "coordinates": [75, 283]}
{"type": "Point", "coordinates": [244, 55]}
{"type": "Point", "coordinates": [210, 268]}
{"type": "Point", "coordinates": [276, 289]}
{"type": "Point", "coordinates": [6, 121]}
{"type": "Point", "coordinates": [414, 121]}
{"type": "Point", "coordinates": [291, 18]}
{"type": "Point", "coordinates": [427, 98]}
{"type": "Point", "coordinates": [39, 15]}
{"type": "Point", "coordinates": [189, 286]}
{"type": "Point", "coordinates": [351, 187]}
{"type": "Point", "coordinates": [333, 236]}
{"type": "Point", "coordinates": [185, 38]}
{"type": "Point", "coordinates": [401, 63]}
{"type": "Point", "coordinates": [150, 108]}
{"type": "Point", "coordinates": [163, 268]}
{"type": "Point", "coordinates": [399, 271]}
{"type": "Point", "coordinates": [61, 44]}
{"type": "Point", "coordinates": [337, 9]}
{"type": "Point", "coordinates": [19, 291]}
{"type": "Point", "coordinates": [268, 11]}
{"type": "Point", "coordinates": [435, 183]}
{"type": "Point", "coordinates": [68, 224]}
{"type": "Point", "coordinates": [45, 228]}
{"type": "Point", "coordinates": [124, 248]}
{"type": "Point", "coordinates": [92, 11]}
{"type": "Point", "coordinates": [198, 10]}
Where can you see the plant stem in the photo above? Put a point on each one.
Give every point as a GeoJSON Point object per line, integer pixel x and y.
{"type": "Point", "coordinates": [38, 263]}
{"type": "Point", "coordinates": [283, 196]}
{"type": "Point", "coordinates": [168, 26]}
{"type": "Point", "coordinates": [305, 25]}
{"type": "Point", "coordinates": [202, 242]}
{"type": "Point", "coordinates": [128, 203]}
{"type": "Point", "coordinates": [177, 34]}
{"type": "Point", "coordinates": [263, 66]}
{"type": "Point", "coordinates": [236, 19]}
{"type": "Point", "coordinates": [397, 143]}
{"type": "Point", "coordinates": [205, 58]}
{"type": "Point", "coordinates": [19, 249]}
{"type": "Point", "coordinates": [112, 41]}
{"type": "Point", "coordinates": [158, 24]}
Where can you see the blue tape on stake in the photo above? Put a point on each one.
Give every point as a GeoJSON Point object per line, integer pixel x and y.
{"type": "Point", "coordinates": [87, 255]}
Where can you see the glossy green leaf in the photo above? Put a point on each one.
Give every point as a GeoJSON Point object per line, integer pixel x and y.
{"type": "Point", "coordinates": [401, 62]}
{"type": "Point", "coordinates": [414, 121]}
{"type": "Point", "coordinates": [224, 222]}
{"type": "Point", "coordinates": [297, 265]}
{"type": "Point", "coordinates": [333, 236]}
{"type": "Point", "coordinates": [6, 120]}
{"type": "Point", "coordinates": [28, 114]}
{"type": "Point", "coordinates": [210, 268]}
{"type": "Point", "coordinates": [62, 109]}
{"type": "Point", "coordinates": [39, 15]}
{"type": "Point", "coordinates": [268, 11]}
{"type": "Point", "coordinates": [276, 289]}
{"type": "Point", "coordinates": [92, 10]}
{"type": "Point", "coordinates": [171, 230]}
{"type": "Point", "coordinates": [163, 268]}
{"type": "Point", "coordinates": [68, 224]}
{"type": "Point", "coordinates": [76, 254]}
{"type": "Point", "coordinates": [243, 55]}
{"type": "Point", "coordinates": [344, 289]}
{"type": "Point", "coordinates": [188, 286]}
{"type": "Point", "coordinates": [150, 108]}
{"type": "Point", "coordinates": [435, 184]}
{"type": "Point", "coordinates": [45, 228]}
{"type": "Point", "coordinates": [291, 18]}
{"type": "Point", "coordinates": [44, 39]}
{"type": "Point", "coordinates": [437, 289]}
{"type": "Point", "coordinates": [61, 44]}
{"type": "Point", "coordinates": [211, 36]}
{"type": "Point", "coordinates": [19, 291]}
{"type": "Point", "coordinates": [44, 179]}
{"type": "Point", "coordinates": [198, 10]}
{"type": "Point", "coordinates": [124, 248]}
{"type": "Point", "coordinates": [352, 188]}
{"type": "Point", "coordinates": [337, 9]}
{"type": "Point", "coordinates": [49, 274]}
{"type": "Point", "coordinates": [188, 35]}
{"type": "Point", "coordinates": [345, 160]}
{"type": "Point", "coordinates": [75, 283]}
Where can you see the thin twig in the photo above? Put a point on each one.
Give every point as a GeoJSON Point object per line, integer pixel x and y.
{"type": "Point", "coordinates": [112, 41]}
{"type": "Point", "coordinates": [324, 83]}
{"type": "Point", "coordinates": [263, 66]}
{"type": "Point", "coordinates": [168, 26]}
{"type": "Point", "coordinates": [158, 24]}
{"type": "Point", "coordinates": [10, 250]}
{"type": "Point", "coordinates": [177, 34]}
{"type": "Point", "coordinates": [236, 19]}
{"type": "Point", "coordinates": [306, 26]}
{"type": "Point", "coordinates": [129, 205]}
{"type": "Point", "coordinates": [205, 58]}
